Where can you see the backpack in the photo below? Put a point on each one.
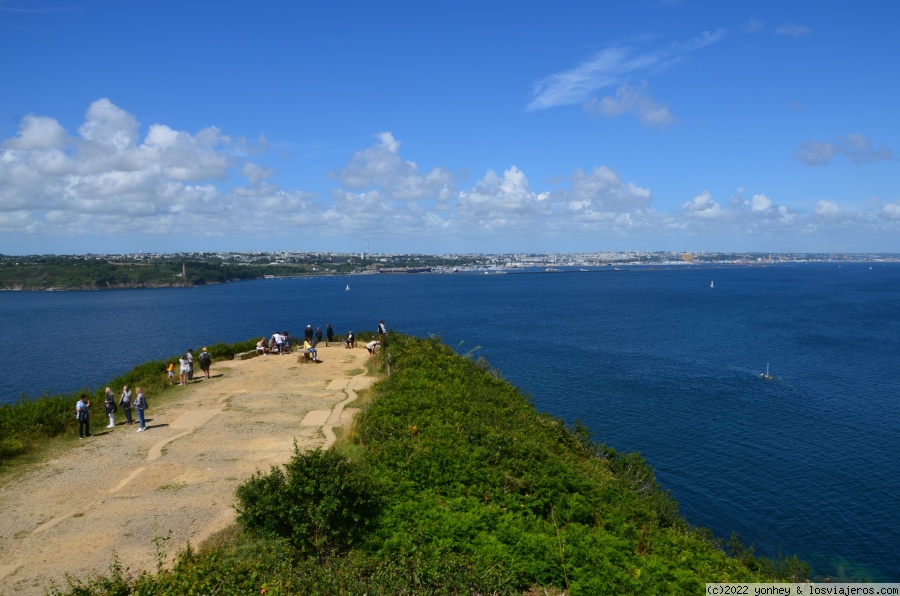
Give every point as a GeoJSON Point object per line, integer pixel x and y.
{"type": "Point", "coordinates": [205, 358]}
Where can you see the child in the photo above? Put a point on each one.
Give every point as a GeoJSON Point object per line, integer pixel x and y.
{"type": "Point", "coordinates": [171, 371]}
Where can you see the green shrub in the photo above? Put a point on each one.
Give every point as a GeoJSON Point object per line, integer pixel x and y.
{"type": "Point", "coordinates": [11, 448]}
{"type": "Point", "coordinates": [321, 502]}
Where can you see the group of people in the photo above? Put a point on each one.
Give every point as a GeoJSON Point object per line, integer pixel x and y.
{"type": "Point", "coordinates": [186, 366]}
{"type": "Point", "coordinates": [127, 401]}
{"type": "Point", "coordinates": [280, 343]}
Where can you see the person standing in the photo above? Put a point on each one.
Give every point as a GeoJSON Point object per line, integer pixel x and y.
{"type": "Point", "coordinates": [190, 358]}
{"type": "Point", "coordinates": [382, 329]}
{"type": "Point", "coordinates": [83, 414]}
{"type": "Point", "coordinates": [351, 342]}
{"type": "Point", "coordinates": [125, 402]}
{"type": "Point", "coordinates": [278, 342]}
{"type": "Point", "coordinates": [140, 404]}
{"type": "Point", "coordinates": [205, 361]}
{"type": "Point", "coordinates": [329, 333]}
{"type": "Point", "coordinates": [170, 373]}
{"type": "Point", "coordinates": [308, 333]}
{"type": "Point", "coordinates": [318, 335]}
{"type": "Point", "coordinates": [110, 407]}
{"type": "Point", "coordinates": [184, 367]}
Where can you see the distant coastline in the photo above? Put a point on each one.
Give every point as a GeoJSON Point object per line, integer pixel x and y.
{"type": "Point", "coordinates": [144, 271]}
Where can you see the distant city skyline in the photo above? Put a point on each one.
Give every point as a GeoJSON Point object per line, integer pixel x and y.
{"type": "Point", "coordinates": [659, 125]}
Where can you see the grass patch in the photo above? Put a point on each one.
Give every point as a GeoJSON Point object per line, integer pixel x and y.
{"type": "Point", "coordinates": [175, 487]}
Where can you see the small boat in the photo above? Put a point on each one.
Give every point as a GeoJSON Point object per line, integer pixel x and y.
{"type": "Point", "coordinates": [347, 289]}
{"type": "Point", "coordinates": [712, 284]}
{"type": "Point", "coordinates": [767, 376]}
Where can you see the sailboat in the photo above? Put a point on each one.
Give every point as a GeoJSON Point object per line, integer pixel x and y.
{"type": "Point", "coordinates": [767, 376]}
{"type": "Point", "coordinates": [347, 289]}
{"type": "Point", "coordinates": [712, 284]}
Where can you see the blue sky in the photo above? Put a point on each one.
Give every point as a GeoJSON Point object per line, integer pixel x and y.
{"type": "Point", "coordinates": [449, 126]}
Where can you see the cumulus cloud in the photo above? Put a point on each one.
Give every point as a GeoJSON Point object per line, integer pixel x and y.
{"type": "Point", "coordinates": [38, 132]}
{"type": "Point", "coordinates": [107, 124]}
{"type": "Point", "coordinates": [610, 67]}
{"type": "Point", "coordinates": [256, 173]}
{"type": "Point", "coordinates": [891, 211]}
{"type": "Point", "coordinates": [632, 100]}
{"type": "Point", "coordinates": [703, 206]}
{"type": "Point", "coordinates": [115, 178]}
{"type": "Point", "coordinates": [825, 208]}
{"type": "Point", "coordinates": [501, 202]}
{"type": "Point", "coordinates": [855, 147]}
{"type": "Point", "coordinates": [760, 203]}
{"type": "Point", "coordinates": [106, 175]}
{"type": "Point", "coordinates": [381, 167]}
{"type": "Point", "coordinates": [603, 191]}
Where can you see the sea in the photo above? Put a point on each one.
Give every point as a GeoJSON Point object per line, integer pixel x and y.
{"type": "Point", "coordinates": [665, 361]}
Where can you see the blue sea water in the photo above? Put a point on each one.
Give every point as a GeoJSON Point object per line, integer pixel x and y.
{"type": "Point", "coordinates": [650, 359]}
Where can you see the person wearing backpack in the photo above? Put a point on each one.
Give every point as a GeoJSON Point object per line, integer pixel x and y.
{"type": "Point", "coordinates": [205, 361]}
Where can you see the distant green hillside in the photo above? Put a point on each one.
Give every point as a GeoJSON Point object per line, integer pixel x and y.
{"type": "Point", "coordinates": [451, 483]}
{"type": "Point", "coordinates": [100, 272]}
{"type": "Point", "coordinates": [89, 273]}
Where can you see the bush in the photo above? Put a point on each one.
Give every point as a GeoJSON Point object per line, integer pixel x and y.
{"type": "Point", "coordinates": [11, 448]}
{"type": "Point", "coordinates": [322, 503]}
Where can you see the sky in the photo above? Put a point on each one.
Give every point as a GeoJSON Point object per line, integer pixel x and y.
{"type": "Point", "coordinates": [449, 127]}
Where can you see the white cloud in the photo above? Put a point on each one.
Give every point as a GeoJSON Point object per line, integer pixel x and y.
{"type": "Point", "coordinates": [609, 67]}
{"type": "Point", "coordinates": [256, 173]}
{"type": "Point", "coordinates": [107, 124]}
{"type": "Point", "coordinates": [114, 179]}
{"type": "Point", "coordinates": [891, 211]}
{"type": "Point", "coordinates": [500, 201]}
{"type": "Point", "coordinates": [753, 25]}
{"type": "Point", "coordinates": [629, 99]}
{"type": "Point", "coordinates": [704, 207]}
{"type": "Point", "coordinates": [816, 153]}
{"type": "Point", "coordinates": [381, 167]}
{"type": "Point", "coordinates": [855, 147]}
{"type": "Point", "coordinates": [760, 203]}
{"type": "Point", "coordinates": [602, 190]}
{"type": "Point", "coordinates": [858, 148]}
{"type": "Point", "coordinates": [793, 30]}
{"type": "Point", "coordinates": [38, 132]}
{"type": "Point", "coordinates": [825, 208]}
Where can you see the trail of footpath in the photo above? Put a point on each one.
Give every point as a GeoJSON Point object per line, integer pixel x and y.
{"type": "Point", "coordinates": [139, 496]}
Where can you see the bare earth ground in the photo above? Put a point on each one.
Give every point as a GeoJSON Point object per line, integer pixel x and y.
{"type": "Point", "coordinates": [136, 495]}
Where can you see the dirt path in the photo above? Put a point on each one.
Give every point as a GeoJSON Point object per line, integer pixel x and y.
{"type": "Point", "coordinates": [133, 494]}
